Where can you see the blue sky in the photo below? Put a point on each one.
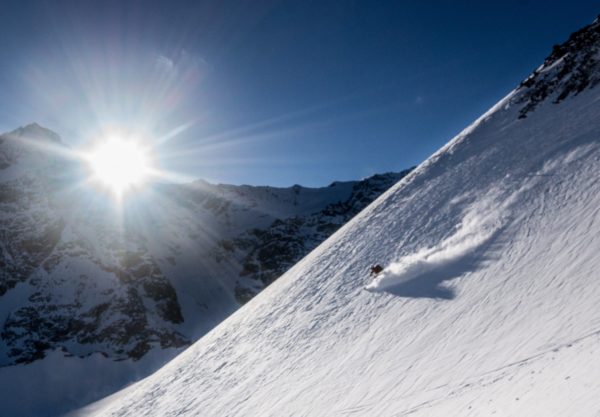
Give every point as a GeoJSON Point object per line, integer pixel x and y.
{"type": "Point", "coordinates": [272, 92]}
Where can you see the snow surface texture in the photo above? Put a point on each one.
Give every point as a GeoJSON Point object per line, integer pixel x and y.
{"type": "Point", "coordinates": [498, 235]}
{"type": "Point", "coordinates": [452, 256]}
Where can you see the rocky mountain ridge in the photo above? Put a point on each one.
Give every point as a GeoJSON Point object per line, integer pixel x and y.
{"type": "Point", "coordinates": [571, 68]}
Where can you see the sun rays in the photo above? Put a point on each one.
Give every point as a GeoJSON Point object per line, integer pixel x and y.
{"type": "Point", "coordinates": [119, 164]}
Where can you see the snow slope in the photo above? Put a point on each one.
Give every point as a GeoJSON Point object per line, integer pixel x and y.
{"type": "Point", "coordinates": [488, 304]}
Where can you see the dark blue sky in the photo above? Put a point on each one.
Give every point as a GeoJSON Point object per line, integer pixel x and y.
{"type": "Point", "coordinates": [272, 92]}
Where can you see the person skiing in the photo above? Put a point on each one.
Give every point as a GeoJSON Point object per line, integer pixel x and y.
{"type": "Point", "coordinates": [375, 270]}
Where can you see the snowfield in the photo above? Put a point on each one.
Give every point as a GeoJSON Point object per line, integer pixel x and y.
{"type": "Point", "coordinates": [488, 303]}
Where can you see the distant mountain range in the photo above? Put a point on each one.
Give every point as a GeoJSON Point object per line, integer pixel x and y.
{"type": "Point", "coordinates": [80, 275]}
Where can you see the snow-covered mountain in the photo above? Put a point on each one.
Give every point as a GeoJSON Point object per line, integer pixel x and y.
{"type": "Point", "coordinates": [488, 302]}
{"type": "Point", "coordinates": [85, 282]}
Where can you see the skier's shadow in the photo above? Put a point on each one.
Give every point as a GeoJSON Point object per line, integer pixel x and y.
{"type": "Point", "coordinates": [430, 283]}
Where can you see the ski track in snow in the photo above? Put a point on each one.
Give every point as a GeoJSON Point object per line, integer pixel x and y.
{"type": "Point", "coordinates": [452, 256]}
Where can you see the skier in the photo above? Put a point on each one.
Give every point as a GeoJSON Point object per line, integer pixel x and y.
{"type": "Point", "coordinates": [375, 270]}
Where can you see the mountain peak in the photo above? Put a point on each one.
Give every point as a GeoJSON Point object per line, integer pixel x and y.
{"type": "Point", "coordinates": [571, 68]}
{"type": "Point", "coordinates": [34, 131]}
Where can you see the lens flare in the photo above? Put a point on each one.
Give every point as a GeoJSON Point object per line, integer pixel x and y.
{"type": "Point", "coordinates": [119, 164]}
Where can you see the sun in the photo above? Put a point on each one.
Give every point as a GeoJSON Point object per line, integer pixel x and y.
{"type": "Point", "coordinates": [119, 164]}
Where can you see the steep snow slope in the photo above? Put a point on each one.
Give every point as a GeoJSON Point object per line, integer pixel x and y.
{"type": "Point", "coordinates": [488, 304]}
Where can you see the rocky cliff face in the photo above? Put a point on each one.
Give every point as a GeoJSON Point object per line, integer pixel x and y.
{"type": "Point", "coordinates": [571, 68]}
{"type": "Point", "coordinates": [81, 276]}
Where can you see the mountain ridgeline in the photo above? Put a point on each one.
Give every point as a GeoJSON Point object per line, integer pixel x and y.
{"type": "Point", "coordinates": [266, 253]}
